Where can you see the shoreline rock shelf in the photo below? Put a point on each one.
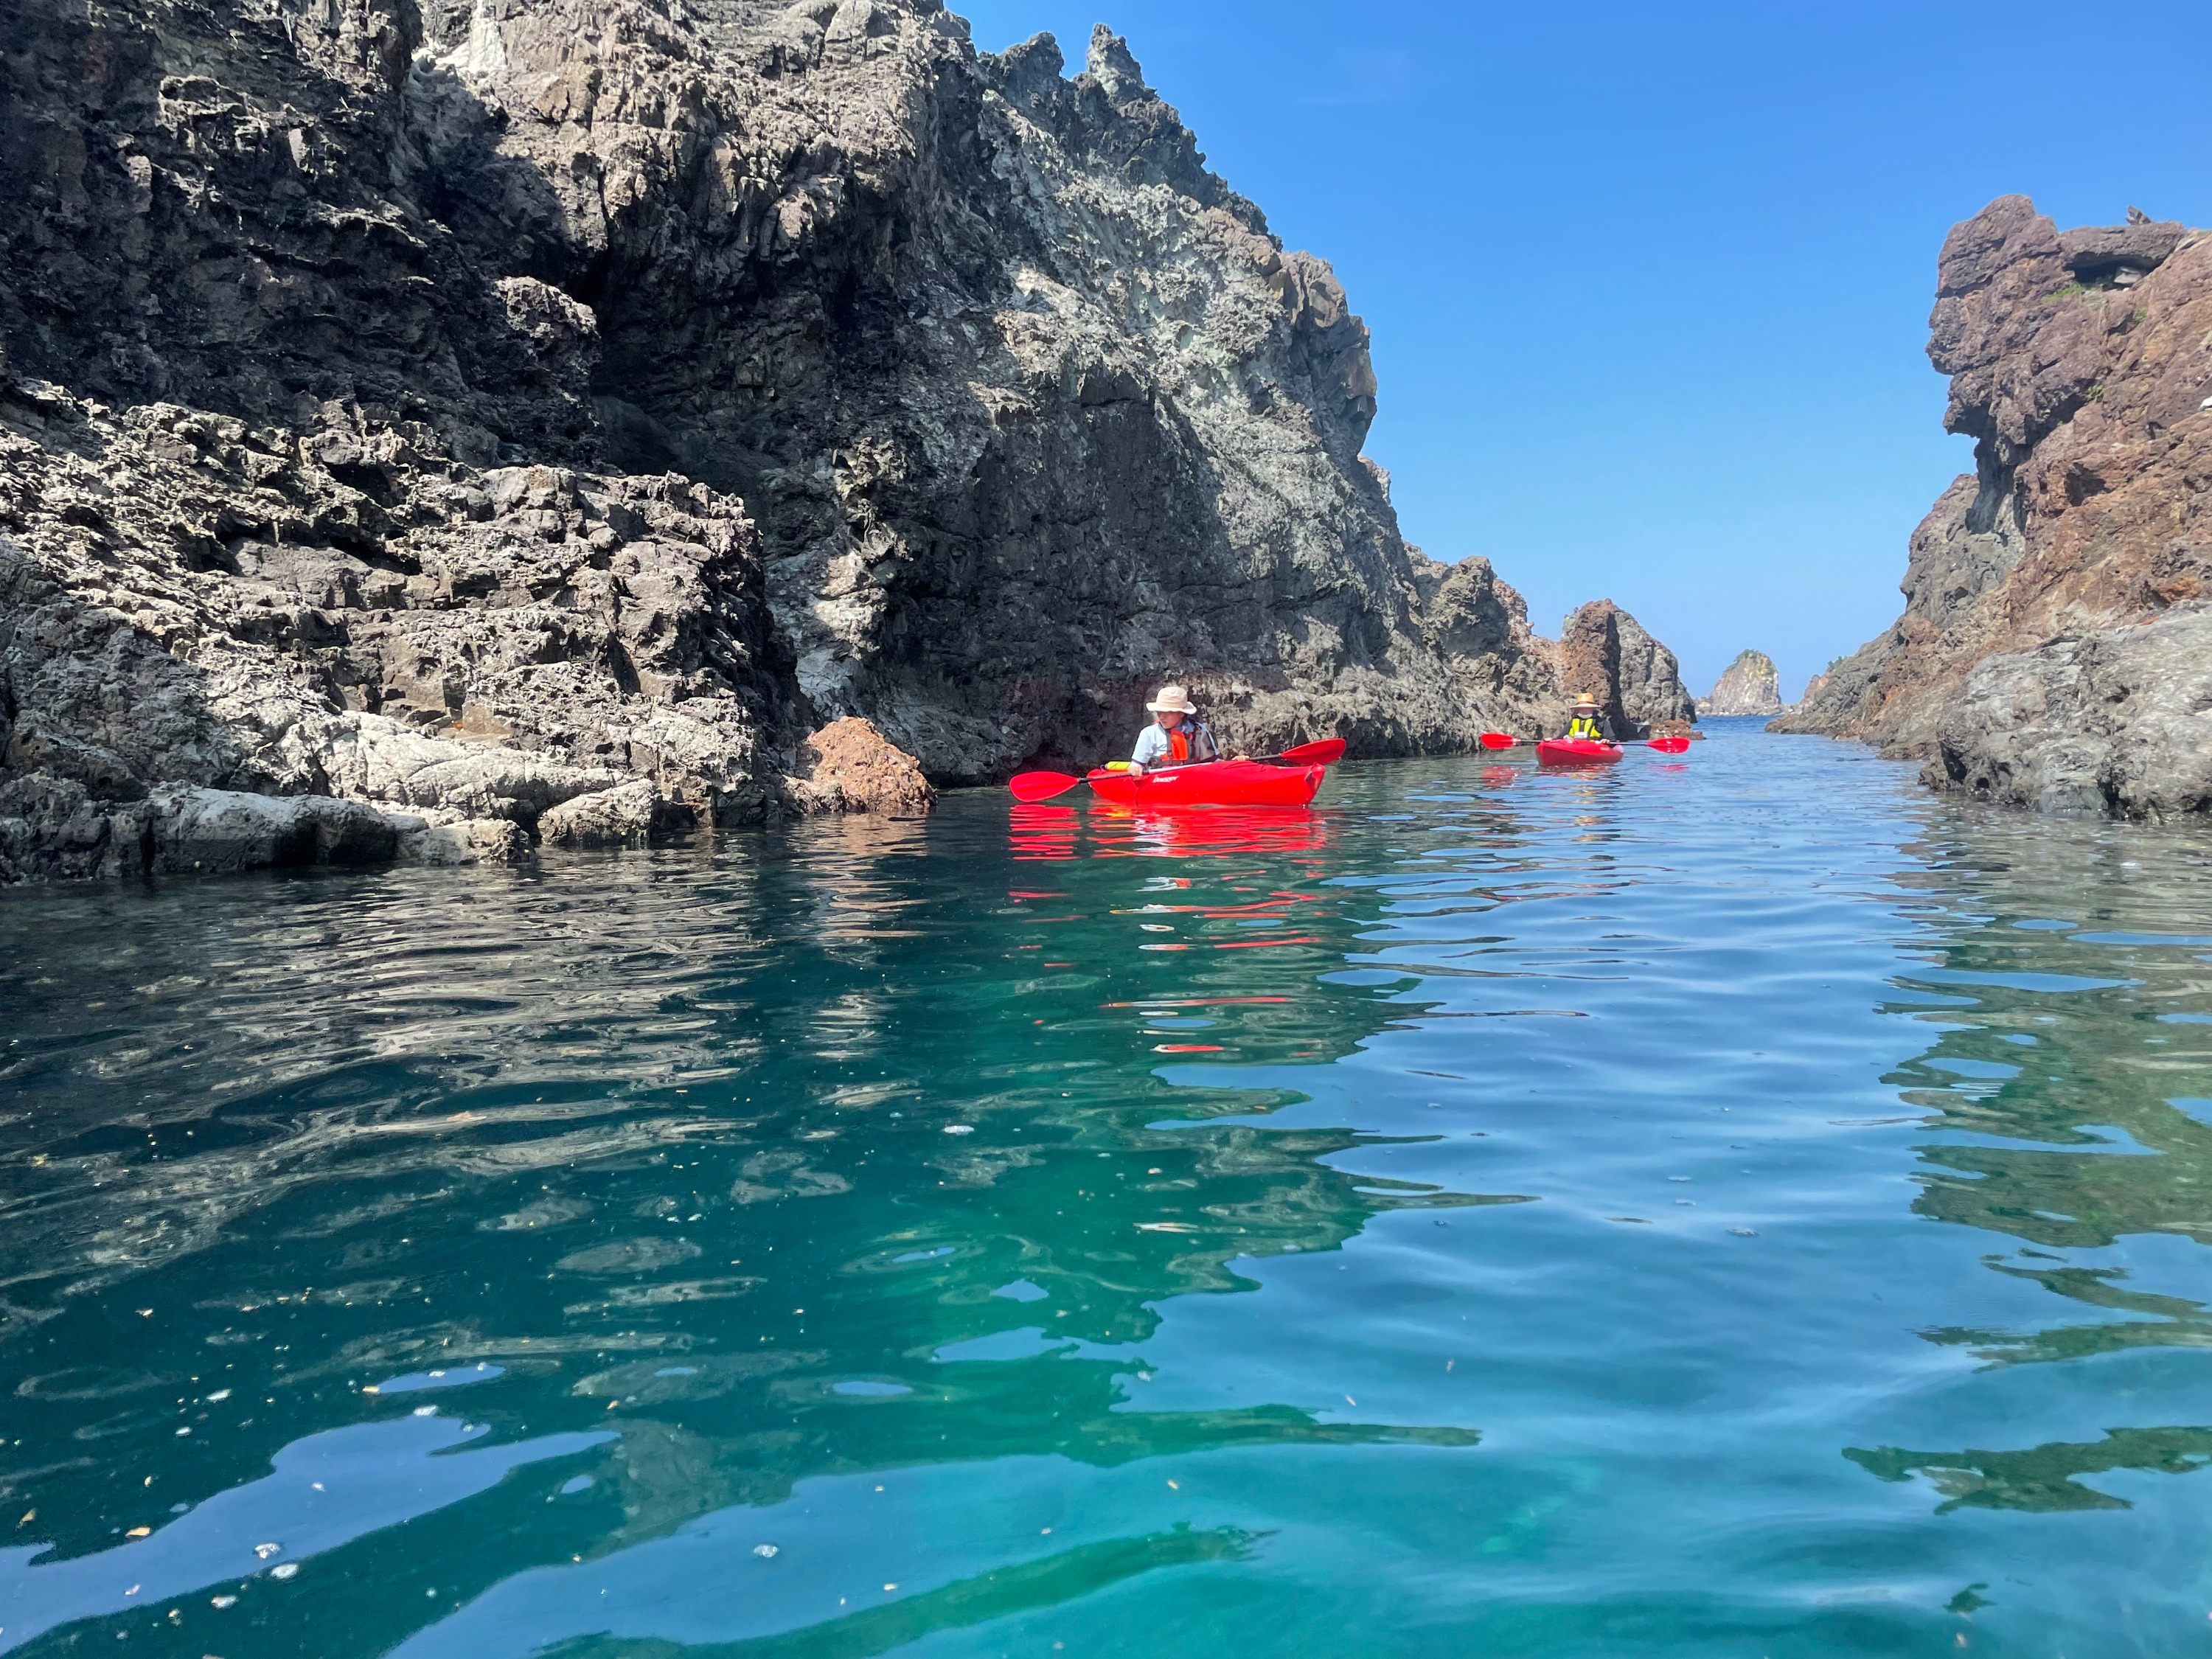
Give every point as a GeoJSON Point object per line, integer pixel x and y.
{"type": "Point", "coordinates": [558, 424]}
{"type": "Point", "coordinates": [2056, 648]}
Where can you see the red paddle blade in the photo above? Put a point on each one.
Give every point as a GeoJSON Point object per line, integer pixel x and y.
{"type": "Point", "coordinates": [1670, 746]}
{"type": "Point", "coordinates": [1326, 751]}
{"type": "Point", "coordinates": [1498, 741]}
{"type": "Point", "coordinates": [1030, 787]}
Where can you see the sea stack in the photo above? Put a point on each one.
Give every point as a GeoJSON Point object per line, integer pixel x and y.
{"type": "Point", "coordinates": [1605, 652]}
{"type": "Point", "coordinates": [1749, 685]}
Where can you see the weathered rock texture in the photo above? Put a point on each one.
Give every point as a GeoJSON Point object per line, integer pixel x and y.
{"type": "Point", "coordinates": [1604, 652]}
{"type": "Point", "coordinates": [852, 767]}
{"type": "Point", "coordinates": [2053, 651]}
{"type": "Point", "coordinates": [1749, 685]}
{"type": "Point", "coordinates": [480, 410]}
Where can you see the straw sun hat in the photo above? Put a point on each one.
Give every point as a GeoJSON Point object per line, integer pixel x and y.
{"type": "Point", "coordinates": [1587, 699]}
{"type": "Point", "coordinates": [1172, 699]}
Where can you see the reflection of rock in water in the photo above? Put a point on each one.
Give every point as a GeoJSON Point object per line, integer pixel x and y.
{"type": "Point", "coordinates": [2064, 1058]}
{"type": "Point", "coordinates": [689, 1115]}
{"type": "Point", "coordinates": [2042, 1478]}
{"type": "Point", "coordinates": [2071, 1059]}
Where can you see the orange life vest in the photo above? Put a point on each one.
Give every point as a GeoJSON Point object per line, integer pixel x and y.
{"type": "Point", "coordinates": [1179, 742]}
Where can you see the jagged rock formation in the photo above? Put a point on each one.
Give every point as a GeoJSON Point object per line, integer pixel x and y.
{"type": "Point", "coordinates": [1749, 685]}
{"type": "Point", "coordinates": [545, 413]}
{"type": "Point", "coordinates": [1813, 687]}
{"type": "Point", "coordinates": [2053, 648]}
{"type": "Point", "coordinates": [1605, 652]}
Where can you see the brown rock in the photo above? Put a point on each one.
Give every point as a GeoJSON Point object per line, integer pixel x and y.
{"type": "Point", "coordinates": [1605, 652]}
{"type": "Point", "coordinates": [2076, 363]}
{"type": "Point", "coordinates": [853, 768]}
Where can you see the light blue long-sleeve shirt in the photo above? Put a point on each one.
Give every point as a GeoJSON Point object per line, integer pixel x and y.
{"type": "Point", "coordinates": [1152, 748]}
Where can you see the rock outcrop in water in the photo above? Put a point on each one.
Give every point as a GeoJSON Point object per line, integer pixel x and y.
{"type": "Point", "coordinates": [2056, 648]}
{"type": "Point", "coordinates": [1605, 652]}
{"type": "Point", "coordinates": [529, 420]}
{"type": "Point", "coordinates": [1750, 685]}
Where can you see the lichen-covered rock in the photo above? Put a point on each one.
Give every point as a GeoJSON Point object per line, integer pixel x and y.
{"type": "Point", "coordinates": [851, 767]}
{"type": "Point", "coordinates": [1750, 685]}
{"type": "Point", "coordinates": [1605, 653]}
{"type": "Point", "coordinates": [2077, 364]}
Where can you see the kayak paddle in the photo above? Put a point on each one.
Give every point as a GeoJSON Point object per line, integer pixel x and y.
{"type": "Point", "coordinates": [1031, 787]}
{"type": "Point", "coordinates": [1664, 745]}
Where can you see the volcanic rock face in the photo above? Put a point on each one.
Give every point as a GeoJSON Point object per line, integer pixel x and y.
{"type": "Point", "coordinates": [1605, 653]}
{"type": "Point", "coordinates": [481, 410]}
{"type": "Point", "coordinates": [1749, 685]}
{"type": "Point", "coordinates": [2053, 648]}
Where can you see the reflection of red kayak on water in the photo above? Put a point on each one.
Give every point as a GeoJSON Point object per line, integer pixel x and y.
{"type": "Point", "coordinates": [1057, 833]}
{"type": "Point", "coordinates": [1575, 751]}
{"type": "Point", "coordinates": [1217, 783]}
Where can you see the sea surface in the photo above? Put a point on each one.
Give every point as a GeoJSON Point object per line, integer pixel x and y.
{"type": "Point", "coordinates": [1731, 1205]}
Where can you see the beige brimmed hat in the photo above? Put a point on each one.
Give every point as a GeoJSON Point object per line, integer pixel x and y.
{"type": "Point", "coordinates": [1172, 699]}
{"type": "Point", "coordinates": [1587, 699]}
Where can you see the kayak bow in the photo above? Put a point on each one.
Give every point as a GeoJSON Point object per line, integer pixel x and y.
{"type": "Point", "coordinates": [1574, 751]}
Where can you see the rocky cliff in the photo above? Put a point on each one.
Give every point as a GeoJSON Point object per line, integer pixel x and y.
{"type": "Point", "coordinates": [1749, 685]}
{"type": "Point", "coordinates": [468, 410]}
{"type": "Point", "coordinates": [2056, 648]}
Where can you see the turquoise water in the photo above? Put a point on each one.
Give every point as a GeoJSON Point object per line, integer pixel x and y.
{"type": "Point", "coordinates": [1732, 1207]}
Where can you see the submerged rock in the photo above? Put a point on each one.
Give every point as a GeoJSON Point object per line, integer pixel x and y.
{"type": "Point", "coordinates": [1749, 685]}
{"type": "Point", "coordinates": [2052, 650]}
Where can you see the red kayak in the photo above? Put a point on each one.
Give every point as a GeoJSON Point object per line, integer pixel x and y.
{"type": "Point", "coordinates": [1575, 751]}
{"type": "Point", "coordinates": [1217, 783]}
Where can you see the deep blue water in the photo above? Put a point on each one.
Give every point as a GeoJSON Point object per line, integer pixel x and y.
{"type": "Point", "coordinates": [1738, 1206]}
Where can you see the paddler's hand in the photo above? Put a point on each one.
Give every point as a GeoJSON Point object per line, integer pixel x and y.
{"type": "Point", "coordinates": [1240, 758]}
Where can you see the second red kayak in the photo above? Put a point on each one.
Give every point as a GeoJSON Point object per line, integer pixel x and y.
{"type": "Point", "coordinates": [1218, 783]}
{"type": "Point", "coordinates": [1575, 752]}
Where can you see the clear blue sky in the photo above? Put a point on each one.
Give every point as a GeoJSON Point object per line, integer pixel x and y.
{"type": "Point", "coordinates": [1650, 284]}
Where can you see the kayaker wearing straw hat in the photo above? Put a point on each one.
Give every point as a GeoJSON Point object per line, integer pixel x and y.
{"type": "Point", "coordinates": [1175, 738]}
{"type": "Point", "coordinates": [1588, 725]}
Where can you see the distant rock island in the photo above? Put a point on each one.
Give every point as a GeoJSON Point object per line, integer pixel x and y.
{"type": "Point", "coordinates": [2056, 648]}
{"type": "Point", "coordinates": [1749, 685]}
{"type": "Point", "coordinates": [438, 431]}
